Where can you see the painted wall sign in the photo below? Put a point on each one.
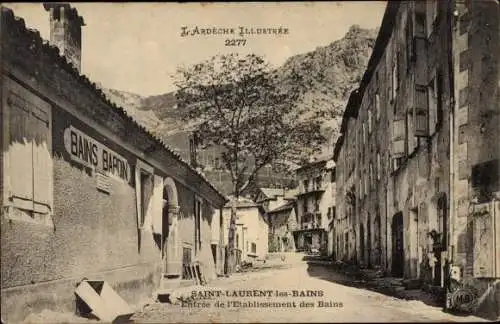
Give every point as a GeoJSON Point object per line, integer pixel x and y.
{"type": "Point", "coordinates": [89, 152]}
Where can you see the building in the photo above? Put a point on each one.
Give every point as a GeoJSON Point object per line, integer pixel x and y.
{"type": "Point", "coordinates": [84, 191]}
{"type": "Point", "coordinates": [270, 198]}
{"type": "Point", "coordinates": [252, 229]}
{"type": "Point", "coordinates": [416, 139]}
{"type": "Point", "coordinates": [282, 218]}
{"type": "Point", "coordinates": [314, 200]}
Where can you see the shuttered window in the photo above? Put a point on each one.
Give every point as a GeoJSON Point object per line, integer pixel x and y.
{"type": "Point", "coordinates": [197, 224]}
{"type": "Point", "coordinates": [369, 121]}
{"type": "Point", "coordinates": [144, 189]}
{"type": "Point", "coordinates": [398, 138]}
{"type": "Point", "coordinates": [379, 166]}
{"type": "Point", "coordinates": [421, 112]}
{"type": "Point", "coordinates": [30, 153]}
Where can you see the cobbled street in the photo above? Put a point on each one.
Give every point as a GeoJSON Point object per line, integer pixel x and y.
{"type": "Point", "coordinates": [344, 302]}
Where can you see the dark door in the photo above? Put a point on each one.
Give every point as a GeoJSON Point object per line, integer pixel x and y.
{"type": "Point", "coordinates": [369, 240]}
{"type": "Point", "coordinates": [362, 242]}
{"type": "Point", "coordinates": [397, 245]}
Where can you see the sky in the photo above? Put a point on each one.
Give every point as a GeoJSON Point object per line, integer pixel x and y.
{"type": "Point", "coordinates": [137, 47]}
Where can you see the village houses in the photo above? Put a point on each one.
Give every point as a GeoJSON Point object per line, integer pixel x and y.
{"type": "Point", "coordinates": [314, 205]}
{"type": "Point", "coordinates": [418, 171]}
{"type": "Point", "coordinates": [252, 229]}
{"type": "Point", "coordinates": [85, 192]}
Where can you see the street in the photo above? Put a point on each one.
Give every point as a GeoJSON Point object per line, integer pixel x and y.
{"type": "Point", "coordinates": [314, 293]}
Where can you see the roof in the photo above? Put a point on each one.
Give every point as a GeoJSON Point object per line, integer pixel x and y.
{"type": "Point", "coordinates": [315, 164]}
{"type": "Point", "coordinates": [242, 202]}
{"type": "Point", "coordinates": [9, 19]}
{"type": "Point", "coordinates": [272, 192]}
{"type": "Point", "coordinates": [287, 206]}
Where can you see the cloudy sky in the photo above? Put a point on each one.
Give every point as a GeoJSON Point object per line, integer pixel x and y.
{"type": "Point", "coordinates": [137, 47]}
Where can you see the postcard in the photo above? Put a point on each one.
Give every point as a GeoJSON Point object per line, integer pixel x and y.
{"type": "Point", "coordinates": [250, 162]}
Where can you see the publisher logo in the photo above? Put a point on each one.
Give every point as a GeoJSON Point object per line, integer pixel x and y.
{"type": "Point", "coordinates": [463, 299]}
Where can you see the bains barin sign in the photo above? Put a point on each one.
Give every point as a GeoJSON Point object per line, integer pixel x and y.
{"type": "Point", "coordinates": [89, 152]}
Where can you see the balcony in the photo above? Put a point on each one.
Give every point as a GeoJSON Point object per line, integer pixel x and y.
{"type": "Point", "coordinates": [311, 191]}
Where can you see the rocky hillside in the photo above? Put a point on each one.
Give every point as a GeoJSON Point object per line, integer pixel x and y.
{"type": "Point", "coordinates": [329, 74]}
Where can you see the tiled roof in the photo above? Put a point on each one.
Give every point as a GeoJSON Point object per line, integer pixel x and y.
{"type": "Point", "coordinates": [284, 207]}
{"type": "Point", "coordinates": [8, 18]}
{"type": "Point", "coordinates": [272, 192]}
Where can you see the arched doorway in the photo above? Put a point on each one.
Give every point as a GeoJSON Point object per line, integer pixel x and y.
{"type": "Point", "coordinates": [171, 262]}
{"type": "Point", "coordinates": [397, 231]}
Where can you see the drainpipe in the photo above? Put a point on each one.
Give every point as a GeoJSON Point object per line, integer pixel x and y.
{"type": "Point", "coordinates": [451, 67]}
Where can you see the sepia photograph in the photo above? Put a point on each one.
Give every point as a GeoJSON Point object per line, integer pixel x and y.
{"type": "Point", "coordinates": [250, 162]}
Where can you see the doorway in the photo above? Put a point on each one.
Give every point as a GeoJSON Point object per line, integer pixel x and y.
{"type": "Point", "coordinates": [362, 243]}
{"type": "Point", "coordinates": [397, 231]}
{"type": "Point", "coordinates": [369, 240]}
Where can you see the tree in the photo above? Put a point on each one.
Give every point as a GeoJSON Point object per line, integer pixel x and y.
{"type": "Point", "coordinates": [248, 109]}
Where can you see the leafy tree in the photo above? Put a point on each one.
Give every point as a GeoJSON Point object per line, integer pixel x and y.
{"type": "Point", "coordinates": [244, 106]}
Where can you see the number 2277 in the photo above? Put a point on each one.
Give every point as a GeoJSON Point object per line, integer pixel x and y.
{"type": "Point", "coordinates": [235, 42]}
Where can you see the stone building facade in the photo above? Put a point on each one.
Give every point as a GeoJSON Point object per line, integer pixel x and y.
{"type": "Point", "coordinates": [314, 200]}
{"type": "Point", "coordinates": [86, 192]}
{"type": "Point", "coordinates": [417, 137]}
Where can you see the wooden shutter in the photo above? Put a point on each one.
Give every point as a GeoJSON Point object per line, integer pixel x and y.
{"type": "Point", "coordinates": [398, 138]}
{"type": "Point", "coordinates": [421, 112]}
{"type": "Point", "coordinates": [20, 152]}
{"type": "Point", "coordinates": [42, 159]}
{"type": "Point", "coordinates": [157, 213]}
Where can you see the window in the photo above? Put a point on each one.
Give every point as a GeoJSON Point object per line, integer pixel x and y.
{"type": "Point", "coordinates": [420, 23]}
{"type": "Point", "coordinates": [197, 224]}
{"type": "Point", "coordinates": [409, 42]}
{"type": "Point", "coordinates": [421, 112]}
{"type": "Point", "coordinates": [398, 138]}
{"type": "Point", "coordinates": [306, 207]}
{"type": "Point", "coordinates": [254, 248]}
{"type": "Point", "coordinates": [306, 185]}
{"type": "Point", "coordinates": [370, 168]}
{"type": "Point", "coordinates": [364, 133]}
{"type": "Point", "coordinates": [369, 121]}
{"type": "Point", "coordinates": [395, 76]}
{"type": "Point", "coordinates": [144, 189]}
{"type": "Point", "coordinates": [332, 175]}
{"type": "Point", "coordinates": [432, 14]}
{"type": "Point", "coordinates": [377, 105]}
{"type": "Point", "coordinates": [29, 180]}
{"type": "Point", "coordinates": [237, 241]}
{"type": "Point", "coordinates": [379, 167]}
{"type": "Point", "coordinates": [319, 181]}
{"type": "Point", "coordinates": [432, 105]}
{"type": "Point", "coordinates": [439, 90]}
{"type": "Point", "coordinates": [365, 177]}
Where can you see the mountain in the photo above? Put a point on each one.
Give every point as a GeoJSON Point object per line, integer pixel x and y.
{"type": "Point", "coordinates": [328, 74]}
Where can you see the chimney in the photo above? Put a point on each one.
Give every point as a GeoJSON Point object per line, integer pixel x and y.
{"type": "Point", "coordinates": [66, 31]}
